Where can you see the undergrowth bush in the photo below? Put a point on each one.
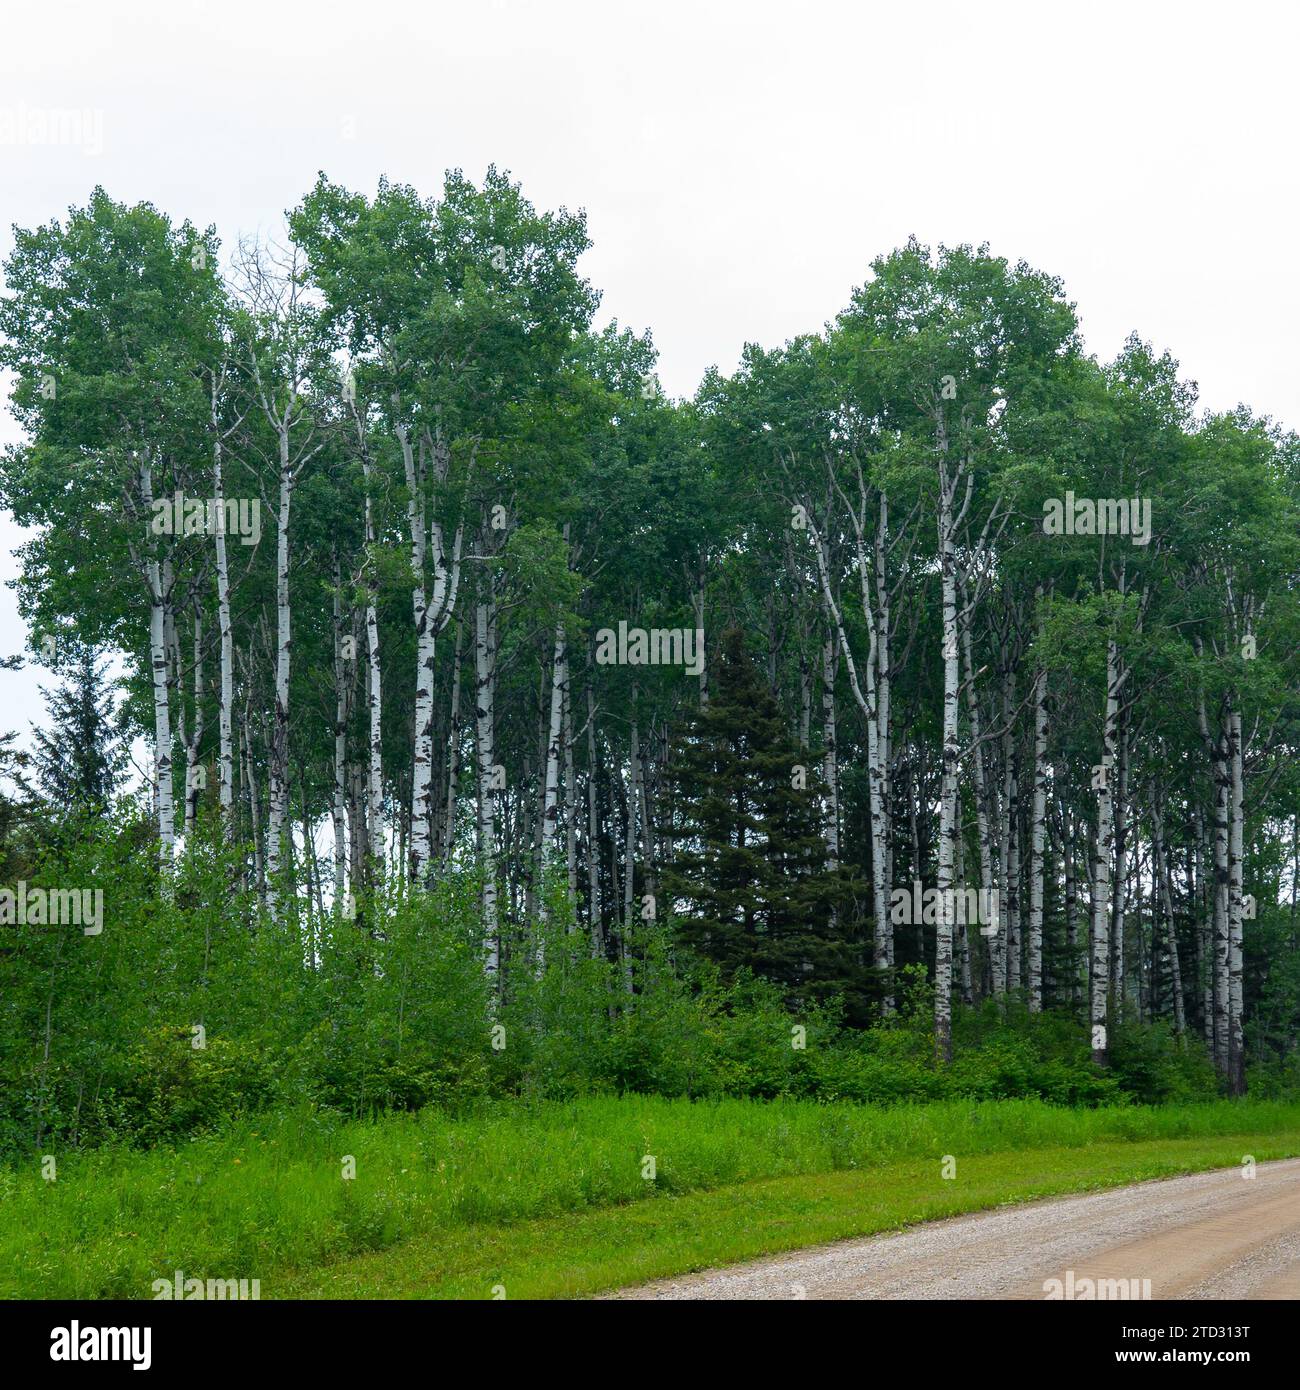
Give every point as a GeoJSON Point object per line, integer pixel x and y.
{"type": "Point", "coordinates": [394, 1011]}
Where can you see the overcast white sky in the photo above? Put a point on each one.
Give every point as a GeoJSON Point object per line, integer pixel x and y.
{"type": "Point", "coordinates": [741, 162]}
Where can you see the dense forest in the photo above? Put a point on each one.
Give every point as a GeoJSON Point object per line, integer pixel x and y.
{"type": "Point", "coordinates": [509, 723]}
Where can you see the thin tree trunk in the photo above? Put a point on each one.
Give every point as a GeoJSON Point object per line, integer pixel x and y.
{"type": "Point", "coordinates": [484, 700]}
{"type": "Point", "coordinates": [570, 805]}
{"type": "Point", "coordinates": [225, 699]}
{"type": "Point", "coordinates": [342, 688]}
{"type": "Point", "coordinates": [595, 919]}
{"type": "Point", "coordinates": [1201, 857]}
{"type": "Point", "coordinates": [158, 602]}
{"type": "Point", "coordinates": [1099, 1012]}
{"type": "Point", "coordinates": [1038, 843]}
{"type": "Point", "coordinates": [1010, 828]}
{"type": "Point", "coordinates": [830, 755]}
{"type": "Point", "coordinates": [963, 932]}
{"type": "Point", "coordinates": [1161, 873]}
{"type": "Point", "coordinates": [1222, 877]}
{"type": "Point", "coordinates": [884, 695]}
{"type": "Point", "coordinates": [985, 810]}
{"type": "Point", "coordinates": [415, 465]}
{"type": "Point", "coordinates": [554, 748]}
{"type": "Point", "coordinates": [1077, 965]}
{"type": "Point", "coordinates": [374, 801]}
{"type": "Point", "coordinates": [279, 773]}
{"type": "Point", "coordinates": [254, 804]}
{"type": "Point", "coordinates": [1236, 1038]}
{"type": "Point", "coordinates": [629, 849]}
{"type": "Point", "coordinates": [948, 828]}
{"type": "Point", "coordinates": [453, 750]}
{"type": "Point", "coordinates": [1119, 904]}
{"type": "Point", "coordinates": [192, 775]}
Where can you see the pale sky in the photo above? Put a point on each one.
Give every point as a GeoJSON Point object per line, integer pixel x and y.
{"type": "Point", "coordinates": [740, 163]}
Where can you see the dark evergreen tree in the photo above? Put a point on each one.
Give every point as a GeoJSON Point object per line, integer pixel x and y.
{"type": "Point", "coordinates": [78, 759]}
{"type": "Point", "coordinates": [749, 884]}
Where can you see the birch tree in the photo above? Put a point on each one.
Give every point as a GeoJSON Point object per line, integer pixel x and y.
{"type": "Point", "coordinates": [109, 321]}
{"type": "Point", "coordinates": [282, 356]}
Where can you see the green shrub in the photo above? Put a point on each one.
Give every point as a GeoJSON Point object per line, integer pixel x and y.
{"type": "Point", "coordinates": [169, 1089]}
{"type": "Point", "coordinates": [397, 1013]}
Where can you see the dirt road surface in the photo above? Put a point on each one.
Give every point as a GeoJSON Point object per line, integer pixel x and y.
{"type": "Point", "coordinates": [1213, 1235]}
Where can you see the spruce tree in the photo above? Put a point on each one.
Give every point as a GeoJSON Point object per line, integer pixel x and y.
{"type": "Point", "coordinates": [78, 759]}
{"type": "Point", "coordinates": [749, 884]}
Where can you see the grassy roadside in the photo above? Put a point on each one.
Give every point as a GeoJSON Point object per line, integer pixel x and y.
{"type": "Point", "coordinates": [592, 1252]}
{"type": "Point", "coordinates": [555, 1198]}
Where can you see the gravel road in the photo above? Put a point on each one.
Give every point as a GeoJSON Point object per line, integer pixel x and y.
{"type": "Point", "coordinates": [1213, 1235]}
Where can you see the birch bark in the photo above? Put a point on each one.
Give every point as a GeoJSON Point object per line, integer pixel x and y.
{"type": "Point", "coordinates": [342, 689]}
{"type": "Point", "coordinates": [594, 916]}
{"type": "Point", "coordinates": [225, 698]}
{"type": "Point", "coordinates": [1103, 846]}
{"type": "Point", "coordinates": [485, 752]}
{"type": "Point", "coordinates": [162, 741]}
{"type": "Point", "coordinates": [1038, 843]}
{"type": "Point", "coordinates": [948, 523]}
{"type": "Point", "coordinates": [1236, 911]}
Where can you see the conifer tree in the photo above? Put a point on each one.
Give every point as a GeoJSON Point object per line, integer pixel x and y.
{"type": "Point", "coordinates": [78, 759]}
{"type": "Point", "coordinates": [749, 883]}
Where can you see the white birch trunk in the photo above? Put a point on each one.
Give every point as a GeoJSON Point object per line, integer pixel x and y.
{"type": "Point", "coordinates": [629, 851]}
{"type": "Point", "coordinates": [1077, 966]}
{"type": "Point", "coordinates": [983, 805]}
{"type": "Point", "coordinates": [422, 766]}
{"type": "Point", "coordinates": [1222, 930]}
{"type": "Point", "coordinates": [884, 740]}
{"type": "Point", "coordinates": [374, 779]}
{"type": "Point", "coordinates": [1010, 832]}
{"type": "Point", "coordinates": [431, 612]}
{"type": "Point", "coordinates": [162, 742]}
{"type": "Point", "coordinates": [485, 751]}
{"type": "Point", "coordinates": [1119, 904]}
{"type": "Point", "coordinates": [554, 749]}
{"type": "Point", "coordinates": [948, 828]}
{"type": "Point", "coordinates": [1236, 911]}
{"type": "Point", "coordinates": [1038, 843]}
{"type": "Point", "coordinates": [192, 776]}
{"type": "Point", "coordinates": [1099, 1013]}
{"type": "Point", "coordinates": [570, 805]}
{"type": "Point", "coordinates": [453, 751]}
{"type": "Point", "coordinates": [830, 754]}
{"type": "Point", "coordinates": [594, 918]}
{"type": "Point", "coordinates": [1220, 967]}
{"type": "Point", "coordinates": [278, 793]}
{"type": "Point", "coordinates": [225, 699]}
{"type": "Point", "coordinates": [342, 684]}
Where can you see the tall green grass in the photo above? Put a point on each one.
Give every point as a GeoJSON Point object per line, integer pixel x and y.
{"type": "Point", "coordinates": [269, 1195]}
